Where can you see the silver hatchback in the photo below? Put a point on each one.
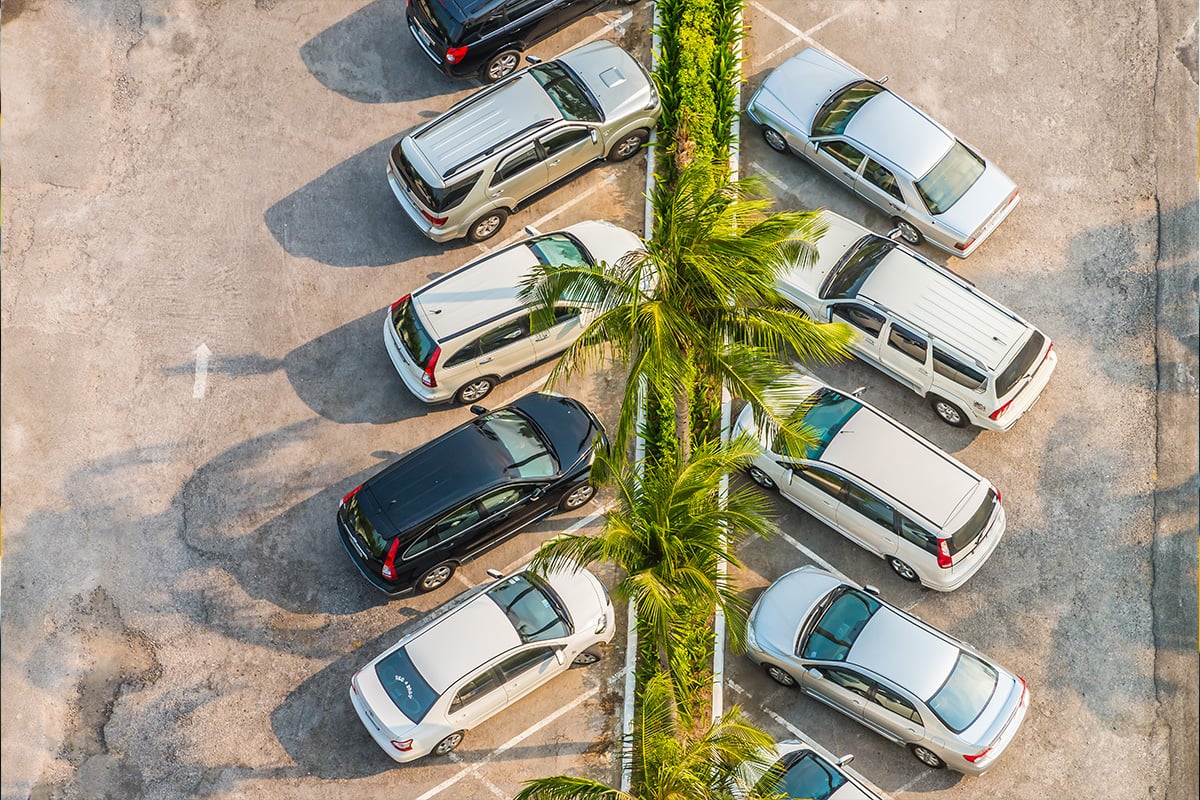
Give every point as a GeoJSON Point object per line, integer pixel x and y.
{"type": "Point", "coordinates": [933, 186]}
{"type": "Point", "coordinates": [904, 679]}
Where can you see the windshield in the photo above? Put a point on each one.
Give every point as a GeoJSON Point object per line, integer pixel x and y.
{"type": "Point", "coordinates": [849, 275]}
{"type": "Point", "coordinates": [571, 97]}
{"type": "Point", "coordinates": [808, 778]}
{"type": "Point", "coordinates": [836, 628]}
{"type": "Point", "coordinates": [1022, 365]}
{"type": "Point", "coordinates": [834, 114]}
{"type": "Point", "coordinates": [559, 249]}
{"type": "Point", "coordinates": [529, 455]}
{"type": "Point", "coordinates": [533, 608]}
{"type": "Point", "coordinates": [965, 693]}
{"type": "Point", "coordinates": [828, 412]}
{"type": "Point", "coordinates": [405, 685]}
{"type": "Point", "coordinates": [950, 178]}
{"type": "Point", "coordinates": [416, 340]}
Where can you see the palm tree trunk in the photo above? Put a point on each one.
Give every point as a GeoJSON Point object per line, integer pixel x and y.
{"type": "Point", "coordinates": [683, 421]}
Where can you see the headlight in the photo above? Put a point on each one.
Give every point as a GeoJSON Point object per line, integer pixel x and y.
{"type": "Point", "coordinates": [751, 641]}
{"type": "Point", "coordinates": [602, 623]}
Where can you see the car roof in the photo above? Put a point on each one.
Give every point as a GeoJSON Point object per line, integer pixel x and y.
{"type": "Point", "coordinates": [891, 127]}
{"type": "Point", "coordinates": [482, 123]}
{"type": "Point", "coordinates": [903, 651]}
{"type": "Point", "coordinates": [476, 292]}
{"type": "Point", "coordinates": [461, 641]}
{"type": "Point", "coordinates": [886, 455]}
{"type": "Point", "coordinates": [944, 308]}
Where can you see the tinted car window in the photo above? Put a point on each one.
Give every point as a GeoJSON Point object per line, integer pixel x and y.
{"type": "Point", "coordinates": [833, 116]}
{"type": "Point", "coordinates": [882, 177]}
{"type": "Point", "coordinates": [908, 343]}
{"type": "Point", "coordinates": [570, 97]}
{"type": "Point", "coordinates": [828, 483]}
{"type": "Point", "coordinates": [405, 685]}
{"type": "Point", "coordinates": [529, 456]}
{"type": "Point", "coordinates": [895, 703]}
{"type": "Point", "coordinates": [557, 142]}
{"type": "Point", "coordinates": [438, 16]}
{"type": "Point", "coordinates": [474, 689]}
{"type": "Point", "coordinates": [524, 661]}
{"type": "Point", "coordinates": [917, 535]}
{"type": "Point", "coordinates": [808, 776]}
{"type": "Point", "coordinates": [828, 411]}
{"type": "Point", "coordinates": [1021, 365]}
{"type": "Point", "coordinates": [864, 319]}
{"type": "Point", "coordinates": [446, 528]}
{"type": "Point", "coordinates": [468, 352]}
{"type": "Point", "coordinates": [534, 610]}
{"type": "Point", "coordinates": [848, 681]}
{"type": "Point", "coordinates": [965, 693]}
{"type": "Point", "coordinates": [968, 533]}
{"type": "Point", "coordinates": [515, 164]}
{"type": "Point", "coordinates": [504, 335]}
{"type": "Point", "coordinates": [950, 178]}
{"type": "Point", "coordinates": [870, 506]}
{"type": "Point", "coordinates": [559, 249]}
{"type": "Point", "coordinates": [950, 367]}
{"type": "Point", "coordinates": [498, 501]}
{"type": "Point", "coordinates": [849, 155]}
{"type": "Point", "coordinates": [362, 526]}
{"type": "Point", "coordinates": [856, 266]}
{"type": "Point", "coordinates": [438, 198]}
{"type": "Point", "coordinates": [838, 623]}
{"type": "Point", "coordinates": [416, 340]}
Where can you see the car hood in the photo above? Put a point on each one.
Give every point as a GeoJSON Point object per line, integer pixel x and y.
{"type": "Point", "coordinates": [784, 606]}
{"type": "Point", "coordinates": [796, 88]}
{"type": "Point", "coordinates": [840, 235]}
{"type": "Point", "coordinates": [615, 78]}
{"type": "Point", "coordinates": [582, 594]}
{"type": "Point", "coordinates": [989, 195]}
{"type": "Point", "coordinates": [565, 421]}
{"type": "Point", "coordinates": [606, 242]}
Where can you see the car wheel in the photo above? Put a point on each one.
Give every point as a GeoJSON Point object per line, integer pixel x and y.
{"type": "Point", "coordinates": [487, 226]}
{"type": "Point", "coordinates": [780, 676]}
{"type": "Point", "coordinates": [926, 756]}
{"type": "Point", "coordinates": [588, 656]}
{"type": "Point", "coordinates": [628, 146]}
{"type": "Point", "coordinates": [435, 577]}
{"type": "Point", "coordinates": [949, 413]}
{"type": "Point", "coordinates": [908, 231]}
{"type": "Point", "coordinates": [475, 391]}
{"type": "Point", "coordinates": [761, 478]}
{"type": "Point", "coordinates": [578, 496]}
{"type": "Point", "coordinates": [775, 140]}
{"type": "Point", "coordinates": [501, 65]}
{"type": "Point", "coordinates": [903, 570]}
{"type": "Point", "coordinates": [449, 743]}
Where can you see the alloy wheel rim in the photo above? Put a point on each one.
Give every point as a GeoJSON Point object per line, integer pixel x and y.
{"type": "Point", "coordinates": [775, 141]}
{"type": "Point", "coordinates": [473, 391]}
{"type": "Point", "coordinates": [580, 496]}
{"type": "Point", "coordinates": [502, 67]}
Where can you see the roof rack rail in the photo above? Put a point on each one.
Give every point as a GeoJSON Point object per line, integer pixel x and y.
{"type": "Point", "coordinates": [462, 165]}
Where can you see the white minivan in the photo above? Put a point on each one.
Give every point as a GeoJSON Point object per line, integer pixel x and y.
{"type": "Point", "coordinates": [883, 487]}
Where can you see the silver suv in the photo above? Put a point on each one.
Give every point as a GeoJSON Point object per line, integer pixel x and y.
{"type": "Point", "coordinates": [465, 172]}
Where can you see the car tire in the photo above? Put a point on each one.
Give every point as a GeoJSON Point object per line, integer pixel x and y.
{"type": "Point", "coordinates": [775, 140]}
{"type": "Point", "coordinates": [474, 391]}
{"type": "Point", "coordinates": [487, 226]}
{"type": "Point", "coordinates": [927, 756]}
{"type": "Point", "coordinates": [436, 576]}
{"type": "Point", "coordinates": [629, 145]}
{"type": "Point", "coordinates": [762, 479]}
{"type": "Point", "coordinates": [586, 657]}
{"type": "Point", "coordinates": [500, 66]}
{"type": "Point", "coordinates": [908, 231]}
{"type": "Point", "coordinates": [948, 412]}
{"type": "Point", "coordinates": [577, 496]}
{"type": "Point", "coordinates": [452, 741]}
{"type": "Point", "coordinates": [903, 570]}
{"type": "Point", "coordinates": [779, 675]}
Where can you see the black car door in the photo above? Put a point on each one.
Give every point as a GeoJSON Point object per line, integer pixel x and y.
{"type": "Point", "coordinates": [505, 511]}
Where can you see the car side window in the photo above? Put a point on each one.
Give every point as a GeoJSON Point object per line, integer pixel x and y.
{"type": "Point", "coordinates": [870, 506]}
{"type": "Point", "coordinates": [524, 661]}
{"type": "Point", "coordinates": [558, 141]}
{"type": "Point", "coordinates": [848, 680]}
{"type": "Point", "coordinates": [474, 689]}
{"type": "Point", "coordinates": [464, 355]}
{"type": "Point", "coordinates": [950, 367]}
{"type": "Point", "coordinates": [565, 314]}
{"type": "Point", "coordinates": [504, 335]}
{"type": "Point", "coordinates": [882, 178]}
{"type": "Point", "coordinates": [522, 8]}
{"type": "Point", "coordinates": [505, 498]}
{"type": "Point", "coordinates": [866, 320]}
{"type": "Point", "coordinates": [848, 154]}
{"type": "Point", "coordinates": [515, 164]}
{"type": "Point", "coordinates": [445, 528]}
{"type": "Point", "coordinates": [908, 343]}
{"type": "Point", "coordinates": [827, 482]}
{"type": "Point", "coordinates": [917, 535]}
{"type": "Point", "coordinates": [895, 703]}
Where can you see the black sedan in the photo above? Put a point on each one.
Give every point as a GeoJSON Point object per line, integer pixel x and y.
{"type": "Point", "coordinates": [450, 500]}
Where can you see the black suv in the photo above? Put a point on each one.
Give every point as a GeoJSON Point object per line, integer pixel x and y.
{"type": "Point", "coordinates": [485, 38]}
{"type": "Point", "coordinates": [454, 498]}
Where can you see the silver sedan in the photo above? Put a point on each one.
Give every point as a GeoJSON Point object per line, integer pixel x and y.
{"type": "Point", "coordinates": [933, 186]}
{"type": "Point", "coordinates": [886, 669]}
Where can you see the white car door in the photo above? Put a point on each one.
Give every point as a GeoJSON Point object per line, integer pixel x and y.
{"type": "Point", "coordinates": [905, 356]}
{"type": "Point", "coordinates": [815, 490]}
{"type": "Point", "coordinates": [867, 323]}
{"type": "Point", "coordinates": [867, 520]}
{"type": "Point", "coordinates": [528, 669]}
{"type": "Point", "coordinates": [839, 158]}
{"type": "Point", "coordinates": [559, 336]}
{"type": "Point", "coordinates": [477, 699]}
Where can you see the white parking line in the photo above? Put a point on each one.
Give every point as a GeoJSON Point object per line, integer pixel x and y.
{"type": "Point", "coordinates": [792, 729]}
{"type": "Point", "coordinates": [813, 556]}
{"type": "Point", "coordinates": [579, 198]}
{"type": "Point", "coordinates": [581, 523]}
{"type": "Point", "coordinates": [770, 176]}
{"type": "Point", "coordinates": [797, 34]}
{"type": "Point", "coordinates": [621, 20]}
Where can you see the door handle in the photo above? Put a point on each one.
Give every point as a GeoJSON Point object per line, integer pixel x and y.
{"type": "Point", "coordinates": [496, 192]}
{"type": "Point", "coordinates": [485, 360]}
{"type": "Point", "coordinates": [553, 163]}
{"type": "Point", "coordinates": [541, 338]}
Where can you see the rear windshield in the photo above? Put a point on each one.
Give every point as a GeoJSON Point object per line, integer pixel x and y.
{"type": "Point", "coordinates": [965, 694]}
{"type": "Point", "coordinates": [836, 628]}
{"type": "Point", "coordinates": [835, 113]}
{"type": "Point", "coordinates": [436, 198]}
{"type": "Point", "coordinates": [571, 96]}
{"type": "Point", "coordinates": [533, 608]}
{"type": "Point", "coordinates": [405, 685]}
{"type": "Point", "coordinates": [828, 413]}
{"type": "Point", "coordinates": [964, 536]}
{"type": "Point", "coordinates": [416, 340]}
{"type": "Point", "coordinates": [1022, 365]}
{"type": "Point", "coordinates": [362, 526]}
{"type": "Point", "coordinates": [849, 275]}
{"type": "Point", "coordinates": [950, 178]}
{"type": "Point", "coordinates": [438, 17]}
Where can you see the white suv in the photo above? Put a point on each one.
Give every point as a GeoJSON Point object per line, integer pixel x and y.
{"type": "Point", "coordinates": [883, 487]}
{"type": "Point", "coordinates": [975, 361]}
{"type": "Point", "coordinates": [477, 655]}
{"type": "Point", "coordinates": [456, 337]}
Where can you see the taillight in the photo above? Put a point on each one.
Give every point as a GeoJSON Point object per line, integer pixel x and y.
{"type": "Point", "coordinates": [998, 497]}
{"type": "Point", "coordinates": [401, 300]}
{"type": "Point", "coordinates": [977, 756]}
{"type": "Point", "coordinates": [455, 54]}
{"type": "Point", "coordinates": [965, 245]}
{"type": "Point", "coordinates": [943, 555]}
{"type": "Point", "coordinates": [995, 415]}
{"type": "Point", "coordinates": [350, 494]}
{"type": "Point", "coordinates": [433, 219]}
{"type": "Point", "coordinates": [403, 745]}
{"type": "Point", "coordinates": [427, 378]}
{"type": "Point", "coordinates": [389, 563]}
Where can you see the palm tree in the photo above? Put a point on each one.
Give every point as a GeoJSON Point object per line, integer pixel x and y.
{"type": "Point", "coordinates": [698, 303]}
{"type": "Point", "coordinates": [671, 763]}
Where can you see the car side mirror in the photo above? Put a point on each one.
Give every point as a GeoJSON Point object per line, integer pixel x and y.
{"type": "Point", "coordinates": [495, 574]}
{"type": "Point", "coordinates": [846, 759]}
{"type": "Point", "coordinates": [858, 392]}
{"type": "Point", "coordinates": [869, 589]}
{"type": "Point", "coordinates": [790, 473]}
{"type": "Point", "coordinates": [478, 410]}
{"type": "Point", "coordinates": [533, 59]}
{"type": "Point", "coordinates": [532, 231]}
{"type": "Point", "coordinates": [816, 673]}
{"type": "Point", "coordinates": [894, 234]}
{"type": "Point", "coordinates": [558, 656]}
{"type": "Point", "coordinates": [882, 80]}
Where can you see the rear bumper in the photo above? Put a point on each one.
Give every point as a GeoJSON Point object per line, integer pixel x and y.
{"type": "Point", "coordinates": [355, 558]}
{"type": "Point", "coordinates": [405, 368]}
{"type": "Point", "coordinates": [414, 213]}
{"type": "Point", "coordinates": [1026, 398]}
